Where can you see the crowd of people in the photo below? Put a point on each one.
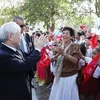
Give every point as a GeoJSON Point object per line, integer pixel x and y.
{"type": "Point", "coordinates": [69, 63]}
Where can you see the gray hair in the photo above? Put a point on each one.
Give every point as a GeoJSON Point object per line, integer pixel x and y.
{"type": "Point", "coordinates": [8, 28]}
{"type": "Point", "coordinates": [15, 19]}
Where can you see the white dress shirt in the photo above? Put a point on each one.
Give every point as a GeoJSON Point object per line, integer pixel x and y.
{"type": "Point", "coordinates": [24, 43]}
{"type": "Point", "coordinates": [14, 49]}
{"type": "Point", "coordinates": [97, 72]}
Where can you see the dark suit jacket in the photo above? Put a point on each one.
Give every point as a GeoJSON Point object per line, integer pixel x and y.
{"type": "Point", "coordinates": [32, 41]}
{"type": "Point", "coordinates": [28, 41]}
{"type": "Point", "coordinates": [30, 49]}
{"type": "Point", "coordinates": [13, 77]}
{"type": "Point", "coordinates": [0, 43]}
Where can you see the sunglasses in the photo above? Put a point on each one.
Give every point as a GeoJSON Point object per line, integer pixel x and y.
{"type": "Point", "coordinates": [21, 26]}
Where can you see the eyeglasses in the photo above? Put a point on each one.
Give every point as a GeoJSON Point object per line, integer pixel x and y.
{"type": "Point", "coordinates": [21, 26]}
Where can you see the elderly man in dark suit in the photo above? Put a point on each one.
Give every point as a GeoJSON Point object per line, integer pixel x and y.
{"type": "Point", "coordinates": [13, 67]}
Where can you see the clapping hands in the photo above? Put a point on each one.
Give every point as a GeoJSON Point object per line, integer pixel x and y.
{"type": "Point", "coordinates": [39, 42]}
{"type": "Point", "coordinates": [58, 50]}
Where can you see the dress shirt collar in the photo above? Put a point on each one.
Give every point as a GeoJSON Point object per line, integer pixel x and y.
{"type": "Point", "coordinates": [14, 49]}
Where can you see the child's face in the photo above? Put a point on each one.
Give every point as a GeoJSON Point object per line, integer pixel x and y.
{"type": "Point", "coordinates": [88, 43]}
{"type": "Point", "coordinates": [77, 36]}
{"type": "Point", "coordinates": [94, 53]}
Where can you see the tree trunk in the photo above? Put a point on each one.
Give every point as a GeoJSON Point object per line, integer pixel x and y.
{"type": "Point", "coordinates": [52, 23]}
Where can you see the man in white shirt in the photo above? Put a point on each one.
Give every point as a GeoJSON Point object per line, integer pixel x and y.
{"type": "Point", "coordinates": [20, 21]}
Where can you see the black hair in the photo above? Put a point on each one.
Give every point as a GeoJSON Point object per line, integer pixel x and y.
{"type": "Point", "coordinates": [33, 33]}
{"type": "Point", "coordinates": [26, 23]}
{"type": "Point", "coordinates": [99, 41]}
{"type": "Point", "coordinates": [83, 33]}
{"type": "Point", "coordinates": [83, 49]}
{"type": "Point", "coordinates": [38, 34]}
{"type": "Point", "coordinates": [89, 37]}
{"type": "Point", "coordinates": [72, 32]}
{"type": "Point", "coordinates": [79, 33]}
{"type": "Point", "coordinates": [47, 32]}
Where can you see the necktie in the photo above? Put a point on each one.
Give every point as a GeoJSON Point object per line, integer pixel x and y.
{"type": "Point", "coordinates": [27, 43]}
{"type": "Point", "coordinates": [20, 54]}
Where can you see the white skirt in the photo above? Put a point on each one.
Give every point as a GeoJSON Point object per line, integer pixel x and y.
{"type": "Point", "coordinates": [65, 89]}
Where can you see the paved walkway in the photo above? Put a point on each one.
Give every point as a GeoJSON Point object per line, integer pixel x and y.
{"type": "Point", "coordinates": [34, 97]}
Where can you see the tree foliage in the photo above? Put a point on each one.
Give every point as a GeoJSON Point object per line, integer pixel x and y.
{"type": "Point", "coordinates": [97, 6]}
{"type": "Point", "coordinates": [41, 10]}
{"type": "Point", "coordinates": [8, 11]}
{"type": "Point", "coordinates": [75, 12]}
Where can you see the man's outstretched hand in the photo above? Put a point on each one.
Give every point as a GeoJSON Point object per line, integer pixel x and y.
{"type": "Point", "coordinates": [39, 42]}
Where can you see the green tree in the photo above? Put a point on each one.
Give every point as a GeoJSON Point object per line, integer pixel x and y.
{"type": "Point", "coordinates": [49, 11]}
{"type": "Point", "coordinates": [41, 10]}
{"type": "Point", "coordinates": [97, 6]}
{"type": "Point", "coordinates": [8, 11]}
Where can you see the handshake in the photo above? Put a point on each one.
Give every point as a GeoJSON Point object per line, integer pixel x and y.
{"type": "Point", "coordinates": [39, 42]}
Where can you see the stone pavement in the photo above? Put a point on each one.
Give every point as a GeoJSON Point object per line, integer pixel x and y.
{"type": "Point", "coordinates": [40, 92]}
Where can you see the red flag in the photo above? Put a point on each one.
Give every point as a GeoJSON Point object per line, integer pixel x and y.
{"type": "Point", "coordinates": [94, 41]}
{"type": "Point", "coordinates": [59, 37]}
{"type": "Point", "coordinates": [43, 64]}
{"type": "Point", "coordinates": [89, 69]}
{"type": "Point", "coordinates": [83, 26]}
{"type": "Point", "coordinates": [45, 60]}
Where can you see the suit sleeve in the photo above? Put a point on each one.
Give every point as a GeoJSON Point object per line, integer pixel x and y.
{"type": "Point", "coordinates": [14, 64]}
